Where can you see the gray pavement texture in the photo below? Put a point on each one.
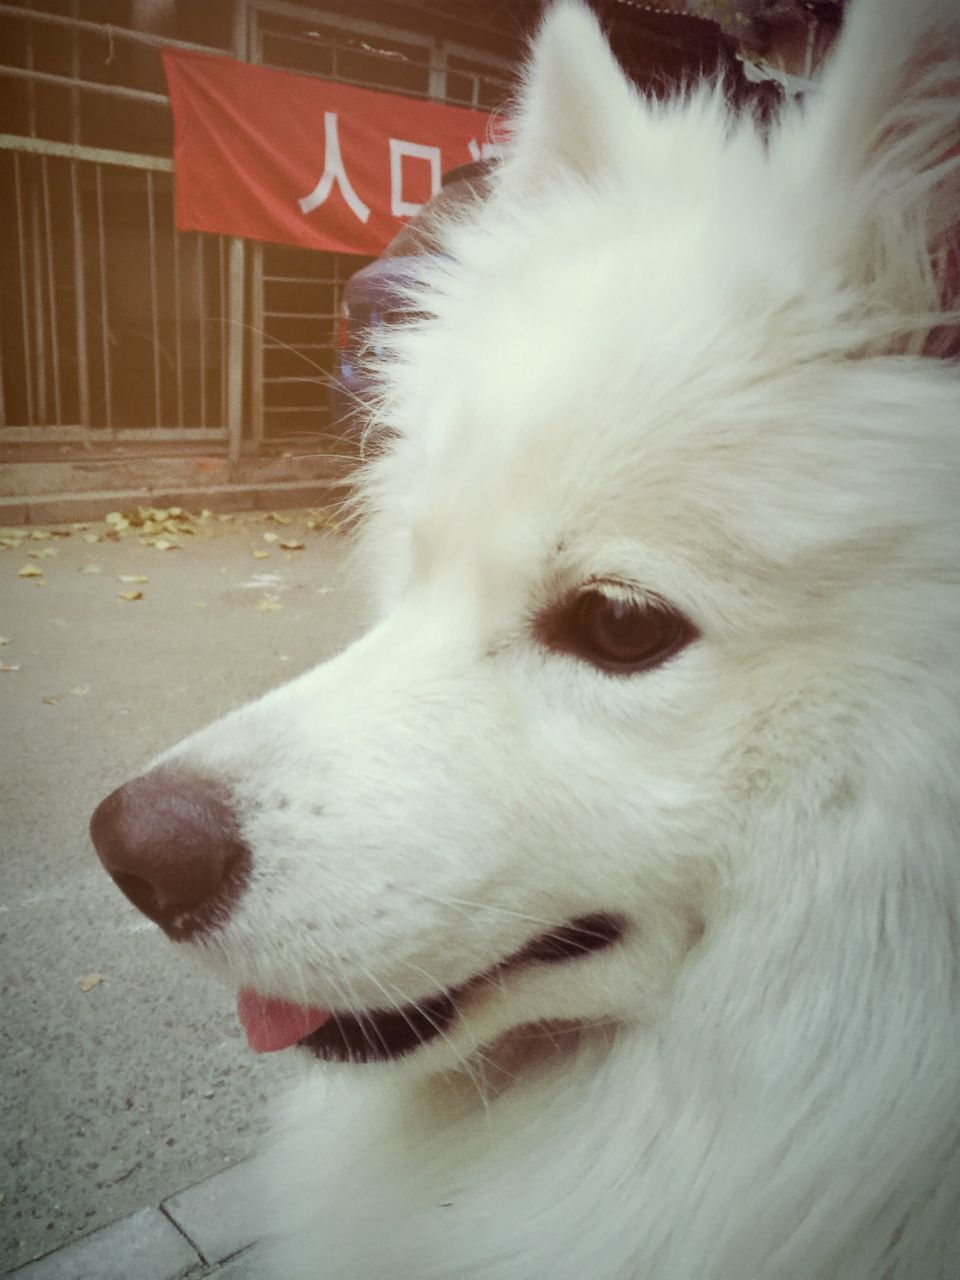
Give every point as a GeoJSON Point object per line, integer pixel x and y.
{"type": "Point", "coordinates": [126, 1077]}
{"type": "Point", "coordinates": [201, 1232]}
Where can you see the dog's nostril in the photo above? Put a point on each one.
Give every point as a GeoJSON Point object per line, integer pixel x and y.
{"type": "Point", "coordinates": [140, 892]}
{"type": "Point", "coordinates": [171, 842]}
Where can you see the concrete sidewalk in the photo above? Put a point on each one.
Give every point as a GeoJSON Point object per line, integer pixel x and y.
{"type": "Point", "coordinates": [127, 1076]}
{"type": "Point", "coordinates": [200, 1232]}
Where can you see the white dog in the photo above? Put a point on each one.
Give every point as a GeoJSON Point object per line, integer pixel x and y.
{"type": "Point", "coordinates": [615, 871]}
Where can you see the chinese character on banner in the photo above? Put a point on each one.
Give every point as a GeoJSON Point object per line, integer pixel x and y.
{"type": "Point", "coordinates": [296, 160]}
{"type": "Point", "coordinates": [333, 173]}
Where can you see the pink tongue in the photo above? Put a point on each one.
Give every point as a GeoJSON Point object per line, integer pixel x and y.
{"type": "Point", "coordinates": [273, 1024]}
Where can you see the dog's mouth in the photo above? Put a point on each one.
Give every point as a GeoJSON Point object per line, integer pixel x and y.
{"type": "Point", "coordinates": [383, 1035]}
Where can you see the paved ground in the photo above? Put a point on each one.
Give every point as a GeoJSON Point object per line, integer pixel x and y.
{"type": "Point", "coordinates": [202, 1233]}
{"type": "Point", "coordinates": [126, 1078]}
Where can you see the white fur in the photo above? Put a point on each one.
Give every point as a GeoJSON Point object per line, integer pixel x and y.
{"type": "Point", "coordinates": [670, 353]}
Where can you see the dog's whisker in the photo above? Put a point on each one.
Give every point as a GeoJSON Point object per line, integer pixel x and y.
{"type": "Point", "coordinates": [475, 1079]}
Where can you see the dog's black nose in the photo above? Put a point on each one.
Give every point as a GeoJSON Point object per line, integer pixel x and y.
{"type": "Point", "coordinates": [171, 841]}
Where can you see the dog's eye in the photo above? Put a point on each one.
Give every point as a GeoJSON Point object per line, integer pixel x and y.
{"type": "Point", "coordinates": [617, 632]}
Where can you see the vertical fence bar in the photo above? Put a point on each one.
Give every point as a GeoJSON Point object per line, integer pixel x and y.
{"type": "Point", "coordinates": [235, 349]}
{"type": "Point", "coordinates": [222, 288]}
{"type": "Point", "coordinates": [31, 87]}
{"type": "Point", "coordinates": [80, 293]}
{"type": "Point", "coordinates": [256, 344]}
{"type": "Point", "coordinates": [177, 335]}
{"type": "Point", "coordinates": [51, 292]}
{"type": "Point", "coordinates": [235, 346]}
{"type": "Point", "coordinates": [39, 329]}
{"type": "Point", "coordinates": [104, 320]}
{"type": "Point", "coordinates": [79, 261]}
{"type": "Point", "coordinates": [154, 301]}
{"type": "Point", "coordinates": [202, 335]}
{"type": "Point", "coordinates": [24, 289]}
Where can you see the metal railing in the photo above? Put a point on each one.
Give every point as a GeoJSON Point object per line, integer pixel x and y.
{"type": "Point", "coordinates": [113, 324]}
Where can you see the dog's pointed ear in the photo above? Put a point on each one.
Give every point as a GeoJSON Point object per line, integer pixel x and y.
{"type": "Point", "coordinates": [886, 184]}
{"type": "Point", "coordinates": [575, 101]}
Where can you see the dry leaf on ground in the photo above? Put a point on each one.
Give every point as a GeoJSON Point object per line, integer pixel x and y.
{"type": "Point", "coordinates": [271, 537]}
{"type": "Point", "coordinates": [132, 577]}
{"type": "Point", "coordinates": [260, 555]}
{"type": "Point", "coordinates": [129, 595]}
{"type": "Point", "coordinates": [30, 571]}
{"type": "Point", "coordinates": [80, 690]}
{"type": "Point", "coordinates": [51, 699]}
{"type": "Point", "coordinates": [91, 568]}
{"type": "Point", "coordinates": [269, 606]}
{"type": "Point", "coordinates": [292, 545]}
{"type": "Point", "coordinates": [9, 666]}
{"type": "Point", "coordinates": [90, 980]}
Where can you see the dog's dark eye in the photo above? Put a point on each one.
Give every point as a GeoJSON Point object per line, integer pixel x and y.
{"type": "Point", "coordinates": [617, 632]}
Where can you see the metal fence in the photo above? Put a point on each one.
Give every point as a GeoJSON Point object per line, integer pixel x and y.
{"type": "Point", "coordinates": [113, 320]}
{"type": "Point", "coordinates": [114, 325]}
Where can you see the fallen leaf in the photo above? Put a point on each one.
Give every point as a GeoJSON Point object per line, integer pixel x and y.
{"type": "Point", "coordinates": [91, 537]}
{"type": "Point", "coordinates": [91, 568]}
{"type": "Point", "coordinates": [271, 537]}
{"type": "Point", "coordinates": [292, 545]}
{"type": "Point", "coordinates": [260, 555]}
{"type": "Point", "coordinates": [80, 691]}
{"type": "Point", "coordinates": [90, 981]}
{"type": "Point", "coordinates": [51, 699]}
{"type": "Point", "coordinates": [46, 552]}
{"type": "Point", "coordinates": [30, 571]}
{"type": "Point", "coordinates": [39, 535]}
{"type": "Point", "coordinates": [132, 577]}
{"type": "Point", "coordinates": [163, 544]}
{"type": "Point", "coordinates": [130, 595]}
{"type": "Point", "coordinates": [269, 606]}
{"type": "Point", "coordinates": [9, 666]}
{"type": "Point", "coordinates": [273, 515]}
{"type": "Point", "coordinates": [116, 520]}
{"type": "Point", "coordinates": [4, 640]}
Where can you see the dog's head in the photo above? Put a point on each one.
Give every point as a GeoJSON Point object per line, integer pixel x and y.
{"type": "Point", "coordinates": [664, 532]}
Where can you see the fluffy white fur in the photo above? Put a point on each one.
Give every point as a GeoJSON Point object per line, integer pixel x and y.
{"type": "Point", "coordinates": [670, 353]}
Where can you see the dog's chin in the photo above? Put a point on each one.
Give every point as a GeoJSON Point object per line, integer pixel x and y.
{"type": "Point", "coordinates": [389, 1035]}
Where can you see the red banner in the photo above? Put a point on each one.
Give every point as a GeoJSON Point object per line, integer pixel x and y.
{"type": "Point", "coordinates": [288, 158]}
